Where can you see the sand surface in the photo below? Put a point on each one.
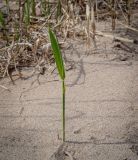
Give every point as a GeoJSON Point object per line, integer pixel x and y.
{"type": "Point", "coordinates": [101, 104]}
{"type": "Point", "coordinates": [101, 113]}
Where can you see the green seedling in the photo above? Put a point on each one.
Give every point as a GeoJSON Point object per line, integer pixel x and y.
{"type": "Point", "coordinates": [2, 21]}
{"type": "Point", "coordinates": [27, 12]}
{"type": "Point", "coordinates": [59, 12]}
{"type": "Point", "coordinates": [33, 3]}
{"type": "Point", "coordinates": [45, 7]}
{"type": "Point", "coordinates": [60, 67]}
{"type": "Point", "coordinates": [3, 27]}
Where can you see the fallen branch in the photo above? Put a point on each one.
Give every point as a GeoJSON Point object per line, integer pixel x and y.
{"type": "Point", "coordinates": [5, 88]}
{"type": "Point", "coordinates": [129, 27]}
{"type": "Point", "coordinates": [69, 155]}
{"type": "Point", "coordinates": [116, 38]}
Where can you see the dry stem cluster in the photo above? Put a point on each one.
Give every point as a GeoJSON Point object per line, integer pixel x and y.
{"type": "Point", "coordinates": [27, 45]}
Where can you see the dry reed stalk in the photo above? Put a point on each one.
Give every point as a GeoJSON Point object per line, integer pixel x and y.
{"type": "Point", "coordinates": [122, 12]}
{"type": "Point", "coordinates": [93, 26]}
{"type": "Point", "coordinates": [71, 11]}
{"type": "Point", "coordinates": [96, 10]}
{"type": "Point", "coordinates": [88, 23]}
{"type": "Point", "coordinates": [129, 12]}
{"type": "Point", "coordinates": [113, 14]}
{"type": "Point", "coordinates": [64, 4]}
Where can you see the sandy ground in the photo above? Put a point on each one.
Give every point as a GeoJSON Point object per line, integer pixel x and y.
{"type": "Point", "coordinates": [101, 114]}
{"type": "Point", "coordinates": [101, 107]}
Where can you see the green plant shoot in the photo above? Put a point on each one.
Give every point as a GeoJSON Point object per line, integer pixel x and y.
{"type": "Point", "coordinates": [27, 12]}
{"type": "Point", "coordinates": [2, 21]}
{"type": "Point", "coordinates": [60, 66]}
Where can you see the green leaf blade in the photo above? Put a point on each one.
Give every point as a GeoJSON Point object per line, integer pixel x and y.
{"type": "Point", "coordinates": [2, 22]}
{"type": "Point", "coordinates": [57, 54]}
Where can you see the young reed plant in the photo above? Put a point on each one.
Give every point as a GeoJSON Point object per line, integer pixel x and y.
{"type": "Point", "coordinates": [61, 70]}
{"type": "Point", "coordinates": [27, 12]}
{"type": "Point", "coordinates": [3, 27]}
{"type": "Point", "coordinates": [45, 7]}
{"type": "Point", "coordinates": [2, 21]}
{"type": "Point", "coordinates": [33, 4]}
{"type": "Point", "coordinates": [59, 12]}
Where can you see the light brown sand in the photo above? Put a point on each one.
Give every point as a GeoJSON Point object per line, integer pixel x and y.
{"type": "Point", "coordinates": [101, 114]}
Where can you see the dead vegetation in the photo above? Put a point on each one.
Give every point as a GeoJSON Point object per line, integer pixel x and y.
{"type": "Point", "coordinates": [24, 25]}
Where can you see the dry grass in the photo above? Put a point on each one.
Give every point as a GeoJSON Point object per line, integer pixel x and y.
{"type": "Point", "coordinates": [25, 37]}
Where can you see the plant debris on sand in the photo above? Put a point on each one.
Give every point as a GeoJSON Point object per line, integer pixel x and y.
{"type": "Point", "coordinates": [99, 46]}
{"type": "Point", "coordinates": [24, 29]}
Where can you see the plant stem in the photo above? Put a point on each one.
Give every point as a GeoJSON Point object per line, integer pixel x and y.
{"type": "Point", "coordinates": [128, 11]}
{"type": "Point", "coordinates": [59, 13]}
{"type": "Point", "coordinates": [63, 110]}
{"type": "Point", "coordinates": [27, 12]}
{"type": "Point", "coordinates": [113, 14]}
{"type": "Point", "coordinates": [33, 8]}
